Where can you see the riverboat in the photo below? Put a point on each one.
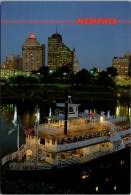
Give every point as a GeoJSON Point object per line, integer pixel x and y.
{"type": "Point", "coordinates": [69, 138]}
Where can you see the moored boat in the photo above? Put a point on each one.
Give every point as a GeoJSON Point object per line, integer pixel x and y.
{"type": "Point", "coordinates": [69, 138]}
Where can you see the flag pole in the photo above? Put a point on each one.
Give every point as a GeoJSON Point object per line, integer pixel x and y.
{"type": "Point", "coordinates": [18, 138]}
{"type": "Point", "coordinates": [36, 133]}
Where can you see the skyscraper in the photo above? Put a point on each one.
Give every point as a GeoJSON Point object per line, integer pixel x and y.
{"type": "Point", "coordinates": [75, 62]}
{"type": "Point", "coordinates": [58, 54]}
{"type": "Point", "coordinates": [33, 55]}
{"type": "Point", "coordinates": [122, 64]}
{"type": "Point", "coordinates": [13, 62]}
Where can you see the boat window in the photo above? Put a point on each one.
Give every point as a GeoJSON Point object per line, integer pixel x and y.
{"type": "Point", "coordinates": [85, 137]}
{"type": "Point", "coordinates": [62, 141]}
{"type": "Point", "coordinates": [70, 109]}
{"type": "Point", "coordinates": [90, 136]}
{"type": "Point", "coordinates": [75, 139]}
{"type": "Point", "coordinates": [53, 141]}
{"type": "Point", "coordinates": [80, 138]}
{"type": "Point", "coordinates": [69, 140]}
{"type": "Point", "coordinates": [99, 134]}
{"type": "Point", "coordinates": [59, 141]}
{"type": "Point", "coordinates": [42, 141]}
{"type": "Point", "coordinates": [108, 133]}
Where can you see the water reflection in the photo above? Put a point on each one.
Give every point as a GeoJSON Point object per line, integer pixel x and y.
{"type": "Point", "coordinates": [14, 121]}
{"type": "Point", "coordinates": [85, 175]}
{"type": "Point", "coordinates": [123, 111]}
{"type": "Point", "coordinates": [9, 111]}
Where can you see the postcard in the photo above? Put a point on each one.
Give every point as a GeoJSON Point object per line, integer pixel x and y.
{"type": "Point", "coordinates": [65, 103]}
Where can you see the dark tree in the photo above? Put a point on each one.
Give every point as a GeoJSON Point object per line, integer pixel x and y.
{"type": "Point", "coordinates": [20, 79]}
{"type": "Point", "coordinates": [105, 79]}
{"type": "Point", "coordinates": [111, 71]}
{"type": "Point", "coordinates": [34, 72]}
{"type": "Point", "coordinates": [63, 71]}
{"type": "Point", "coordinates": [82, 77]}
{"type": "Point", "coordinates": [44, 70]}
{"type": "Point", "coordinates": [32, 79]}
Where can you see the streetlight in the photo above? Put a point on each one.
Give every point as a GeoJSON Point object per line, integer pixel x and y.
{"type": "Point", "coordinates": [38, 74]}
{"type": "Point", "coordinates": [50, 71]}
{"type": "Point", "coordinates": [64, 73]}
{"type": "Point", "coordinates": [91, 72]}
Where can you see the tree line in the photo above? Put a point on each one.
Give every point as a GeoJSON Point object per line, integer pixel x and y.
{"type": "Point", "coordinates": [64, 75]}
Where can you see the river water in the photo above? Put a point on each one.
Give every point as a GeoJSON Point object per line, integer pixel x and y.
{"type": "Point", "coordinates": [106, 175]}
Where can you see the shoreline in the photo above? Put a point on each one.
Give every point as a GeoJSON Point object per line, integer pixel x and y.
{"type": "Point", "coordinates": [58, 93]}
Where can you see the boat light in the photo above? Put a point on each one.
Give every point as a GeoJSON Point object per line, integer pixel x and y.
{"type": "Point", "coordinates": [84, 176]}
{"type": "Point", "coordinates": [114, 187]}
{"type": "Point", "coordinates": [96, 188]}
{"type": "Point", "coordinates": [119, 94]}
{"type": "Point", "coordinates": [101, 119]}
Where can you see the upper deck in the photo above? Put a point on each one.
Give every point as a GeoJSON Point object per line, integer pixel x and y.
{"type": "Point", "coordinates": [88, 130]}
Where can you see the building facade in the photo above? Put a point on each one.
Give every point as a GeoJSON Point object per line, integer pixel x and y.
{"type": "Point", "coordinates": [128, 56]}
{"type": "Point", "coordinates": [33, 54]}
{"type": "Point", "coordinates": [75, 62]}
{"type": "Point", "coordinates": [13, 62]}
{"type": "Point", "coordinates": [58, 54]}
{"type": "Point", "coordinates": [7, 73]}
{"type": "Point", "coordinates": [122, 64]}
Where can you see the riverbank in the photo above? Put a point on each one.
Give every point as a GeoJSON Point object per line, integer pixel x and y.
{"type": "Point", "coordinates": [56, 92]}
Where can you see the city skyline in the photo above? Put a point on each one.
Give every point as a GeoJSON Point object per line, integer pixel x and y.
{"type": "Point", "coordinates": [95, 45]}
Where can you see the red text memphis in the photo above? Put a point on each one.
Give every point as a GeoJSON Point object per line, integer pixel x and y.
{"type": "Point", "coordinates": [97, 21]}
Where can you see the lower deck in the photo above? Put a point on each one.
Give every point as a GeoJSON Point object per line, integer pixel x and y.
{"type": "Point", "coordinates": [63, 158]}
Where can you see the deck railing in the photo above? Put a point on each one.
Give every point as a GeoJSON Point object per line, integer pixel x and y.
{"type": "Point", "coordinates": [122, 133]}
{"type": "Point", "coordinates": [117, 119]}
{"type": "Point", "coordinates": [65, 162]}
{"type": "Point", "coordinates": [54, 130]}
{"type": "Point", "coordinates": [9, 157]}
{"type": "Point", "coordinates": [75, 145]}
{"type": "Point", "coordinates": [13, 155]}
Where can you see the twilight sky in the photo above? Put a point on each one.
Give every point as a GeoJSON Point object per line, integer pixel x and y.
{"type": "Point", "coordinates": [96, 45]}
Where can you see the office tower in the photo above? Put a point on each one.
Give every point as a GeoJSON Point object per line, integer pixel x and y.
{"type": "Point", "coordinates": [58, 54]}
{"type": "Point", "coordinates": [122, 65]}
{"type": "Point", "coordinates": [128, 56]}
{"type": "Point", "coordinates": [33, 54]}
{"type": "Point", "coordinates": [13, 62]}
{"type": "Point", "coordinates": [75, 62]}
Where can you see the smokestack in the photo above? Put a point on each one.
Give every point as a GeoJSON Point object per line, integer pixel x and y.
{"type": "Point", "coordinates": [66, 110]}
